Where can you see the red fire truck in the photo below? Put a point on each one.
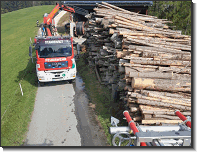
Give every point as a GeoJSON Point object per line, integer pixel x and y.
{"type": "Point", "coordinates": [54, 54]}
{"type": "Point", "coordinates": [55, 58]}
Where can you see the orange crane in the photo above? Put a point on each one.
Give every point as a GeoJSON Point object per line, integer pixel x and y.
{"type": "Point", "coordinates": [48, 18]}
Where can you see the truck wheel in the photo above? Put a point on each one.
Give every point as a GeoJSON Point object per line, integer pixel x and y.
{"type": "Point", "coordinates": [80, 28]}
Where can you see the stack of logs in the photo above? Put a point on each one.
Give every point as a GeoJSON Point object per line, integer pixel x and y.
{"type": "Point", "coordinates": [143, 55]}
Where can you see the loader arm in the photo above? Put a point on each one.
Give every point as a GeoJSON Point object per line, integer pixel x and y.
{"type": "Point", "coordinates": [48, 19]}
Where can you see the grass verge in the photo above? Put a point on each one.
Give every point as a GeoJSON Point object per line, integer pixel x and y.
{"type": "Point", "coordinates": [16, 67]}
{"type": "Point", "coordinates": [98, 94]}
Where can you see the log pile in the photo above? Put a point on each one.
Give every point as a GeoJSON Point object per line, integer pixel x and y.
{"type": "Point", "coordinates": [144, 58]}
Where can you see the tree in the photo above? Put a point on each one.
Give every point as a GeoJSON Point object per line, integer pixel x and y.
{"type": "Point", "coordinates": [179, 12]}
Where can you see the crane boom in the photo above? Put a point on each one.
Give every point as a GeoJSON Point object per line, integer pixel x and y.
{"type": "Point", "coordinates": [49, 17]}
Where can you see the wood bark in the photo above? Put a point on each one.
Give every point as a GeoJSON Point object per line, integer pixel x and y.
{"type": "Point", "coordinates": [165, 94]}
{"type": "Point", "coordinates": [165, 116]}
{"type": "Point", "coordinates": [139, 118]}
{"type": "Point", "coordinates": [147, 116]}
{"type": "Point", "coordinates": [160, 99]}
{"type": "Point", "coordinates": [154, 62]}
{"type": "Point", "coordinates": [177, 99]}
{"type": "Point", "coordinates": [176, 69]}
{"type": "Point", "coordinates": [155, 49]}
{"type": "Point", "coordinates": [162, 85]}
{"type": "Point", "coordinates": [139, 65]}
{"type": "Point", "coordinates": [163, 104]}
{"type": "Point", "coordinates": [153, 75]}
{"type": "Point", "coordinates": [137, 52]}
{"type": "Point", "coordinates": [161, 121]}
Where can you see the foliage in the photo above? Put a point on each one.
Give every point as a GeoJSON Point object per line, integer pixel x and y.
{"type": "Point", "coordinates": [9, 6]}
{"type": "Point", "coordinates": [179, 12]}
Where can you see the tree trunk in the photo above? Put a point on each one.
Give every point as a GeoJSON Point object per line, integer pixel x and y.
{"type": "Point", "coordinates": [160, 99]}
{"type": "Point", "coordinates": [161, 121]}
{"type": "Point", "coordinates": [153, 75]}
{"type": "Point", "coordinates": [163, 104]}
{"type": "Point", "coordinates": [162, 85]}
{"type": "Point", "coordinates": [165, 94]}
{"type": "Point", "coordinates": [165, 116]}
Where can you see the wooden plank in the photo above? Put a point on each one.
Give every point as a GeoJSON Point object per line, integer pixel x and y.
{"type": "Point", "coordinates": [161, 121]}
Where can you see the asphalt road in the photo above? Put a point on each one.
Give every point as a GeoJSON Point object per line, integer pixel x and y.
{"type": "Point", "coordinates": [53, 120]}
{"type": "Point", "coordinates": [62, 117]}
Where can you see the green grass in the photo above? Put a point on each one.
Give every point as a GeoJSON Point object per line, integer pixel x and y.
{"type": "Point", "coordinates": [99, 95]}
{"type": "Point", "coordinates": [16, 29]}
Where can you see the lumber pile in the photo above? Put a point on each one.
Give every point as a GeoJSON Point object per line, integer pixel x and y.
{"type": "Point", "coordinates": [144, 58]}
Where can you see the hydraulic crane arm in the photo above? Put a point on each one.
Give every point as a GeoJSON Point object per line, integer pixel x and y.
{"type": "Point", "coordinates": [48, 18]}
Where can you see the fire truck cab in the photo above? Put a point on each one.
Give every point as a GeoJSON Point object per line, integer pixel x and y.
{"type": "Point", "coordinates": [55, 58]}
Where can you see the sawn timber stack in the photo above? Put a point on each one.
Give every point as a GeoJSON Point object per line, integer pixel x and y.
{"type": "Point", "coordinates": [145, 59]}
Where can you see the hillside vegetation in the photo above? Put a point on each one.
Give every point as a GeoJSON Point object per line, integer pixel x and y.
{"type": "Point", "coordinates": [16, 67]}
{"type": "Point", "coordinates": [179, 12]}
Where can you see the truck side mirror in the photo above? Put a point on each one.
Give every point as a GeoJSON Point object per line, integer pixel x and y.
{"type": "Point", "coordinates": [30, 51]}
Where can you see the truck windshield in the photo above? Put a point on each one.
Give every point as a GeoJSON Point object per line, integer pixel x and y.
{"type": "Point", "coordinates": [50, 51]}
